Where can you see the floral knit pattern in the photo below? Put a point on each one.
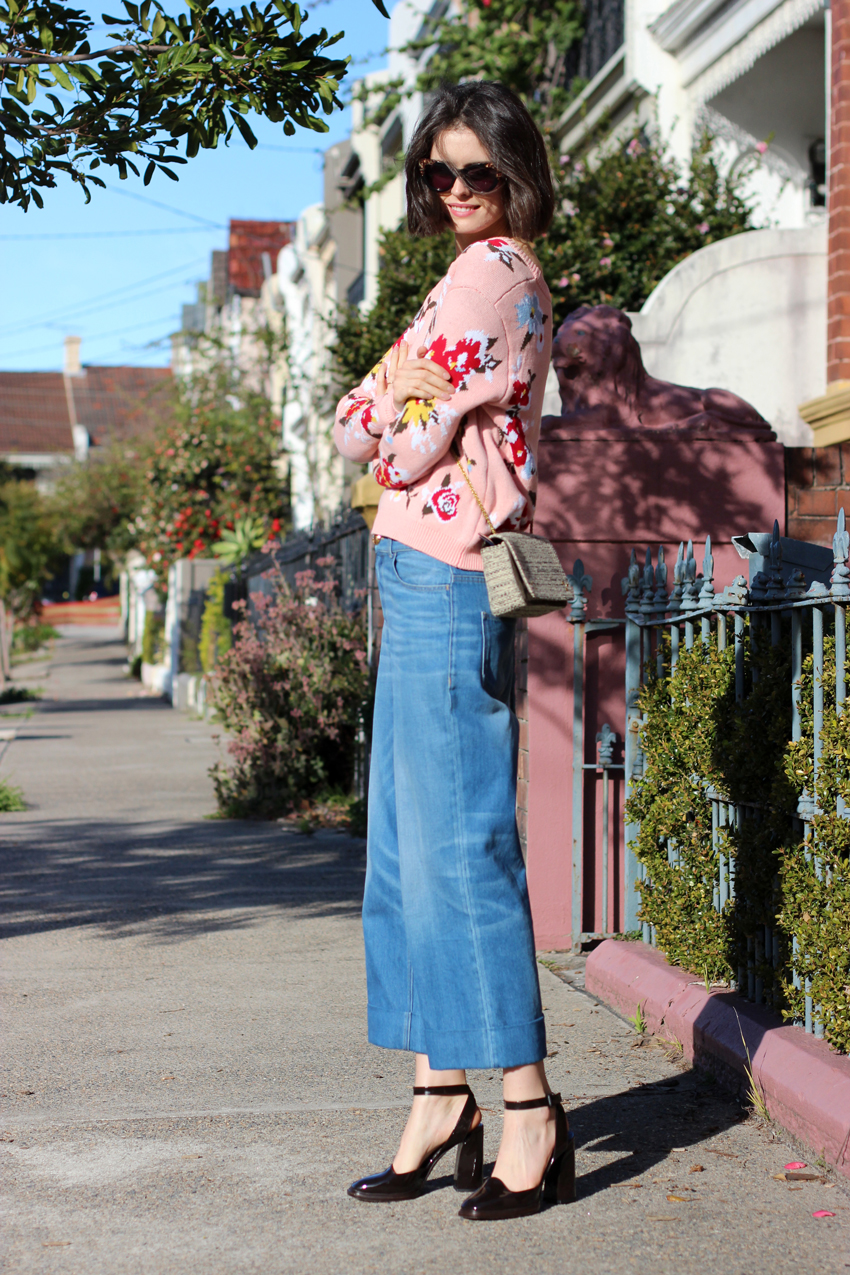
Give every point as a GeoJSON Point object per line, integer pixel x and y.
{"type": "Point", "coordinates": [489, 324]}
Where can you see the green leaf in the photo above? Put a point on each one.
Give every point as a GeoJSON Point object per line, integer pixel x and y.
{"type": "Point", "coordinates": [61, 77]}
{"type": "Point", "coordinates": [242, 125]}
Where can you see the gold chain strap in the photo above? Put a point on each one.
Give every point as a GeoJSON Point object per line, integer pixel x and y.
{"type": "Point", "coordinates": [459, 455]}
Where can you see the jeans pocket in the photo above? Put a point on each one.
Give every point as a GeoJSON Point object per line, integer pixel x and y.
{"type": "Point", "coordinates": [497, 656]}
{"type": "Point", "coordinates": [419, 570]}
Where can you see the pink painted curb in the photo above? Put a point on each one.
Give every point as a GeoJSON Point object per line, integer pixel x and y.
{"type": "Point", "coordinates": [805, 1084]}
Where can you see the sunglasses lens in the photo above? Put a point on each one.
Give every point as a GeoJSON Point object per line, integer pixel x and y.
{"type": "Point", "coordinates": [481, 178]}
{"type": "Point", "coordinates": [439, 177]}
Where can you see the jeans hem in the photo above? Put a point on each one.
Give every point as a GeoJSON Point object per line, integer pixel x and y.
{"type": "Point", "coordinates": [500, 1047]}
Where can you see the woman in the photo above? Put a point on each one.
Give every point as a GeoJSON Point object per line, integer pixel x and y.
{"type": "Point", "coordinates": [449, 422]}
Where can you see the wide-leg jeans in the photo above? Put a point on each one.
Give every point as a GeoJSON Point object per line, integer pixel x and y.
{"type": "Point", "coordinates": [450, 955]}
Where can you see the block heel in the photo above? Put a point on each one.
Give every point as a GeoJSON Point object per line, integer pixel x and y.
{"type": "Point", "coordinates": [494, 1201]}
{"type": "Point", "coordinates": [389, 1185]}
{"type": "Point", "coordinates": [559, 1186]}
{"type": "Point", "coordinates": [469, 1165]}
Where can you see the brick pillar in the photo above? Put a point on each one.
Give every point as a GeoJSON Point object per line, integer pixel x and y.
{"type": "Point", "coordinates": [838, 303]}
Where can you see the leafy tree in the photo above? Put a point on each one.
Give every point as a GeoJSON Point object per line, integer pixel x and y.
{"type": "Point", "coordinates": [626, 218]}
{"type": "Point", "coordinates": [524, 45]}
{"type": "Point", "coordinates": [96, 500]}
{"type": "Point", "coordinates": [29, 550]}
{"type": "Point", "coordinates": [408, 269]}
{"type": "Point", "coordinates": [192, 76]}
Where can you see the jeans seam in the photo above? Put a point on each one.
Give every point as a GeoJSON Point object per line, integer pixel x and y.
{"type": "Point", "coordinates": [460, 823]}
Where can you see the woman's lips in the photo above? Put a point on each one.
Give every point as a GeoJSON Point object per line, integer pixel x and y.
{"type": "Point", "coordinates": [462, 210]}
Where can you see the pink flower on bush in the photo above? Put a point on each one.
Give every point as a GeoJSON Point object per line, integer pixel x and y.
{"type": "Point", "coordinates": [703, 227]}
{"type": "Point", "coordinates": [563, 282]}
{"type": "Point", "coordinates": [444, 503]}
{"type": "Point", "coordinates": [604, 261]}
{"type": "Point", "coordinates": [564, 160]}
{"type": "Point", "coordinates": [634, 147]}
{"type": "Point", "coordinates": [761, 147]}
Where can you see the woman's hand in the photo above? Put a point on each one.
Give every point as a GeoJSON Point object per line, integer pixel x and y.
{"type": "Point", "coordinates": [412, 378]}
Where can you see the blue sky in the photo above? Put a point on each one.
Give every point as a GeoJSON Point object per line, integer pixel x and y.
{"type": "Point", "coordinates": [73, 268]}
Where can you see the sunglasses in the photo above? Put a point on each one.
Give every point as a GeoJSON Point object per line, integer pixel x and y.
{"type": "Point", "coordinates": [483, 179]}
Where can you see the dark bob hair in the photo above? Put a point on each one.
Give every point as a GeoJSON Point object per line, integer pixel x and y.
{"type": "Point", "coordinates": [512, 140]}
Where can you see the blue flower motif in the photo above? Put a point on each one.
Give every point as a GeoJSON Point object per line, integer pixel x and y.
{"type": "Point", "coordinates": [529, 315]}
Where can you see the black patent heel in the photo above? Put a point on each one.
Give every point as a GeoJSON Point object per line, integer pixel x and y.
{"type": "Point", "coordinates": [494, 1200]}
{"type": "Point", "coordinates": [469, 1165]}
{"type": "Point", "coordinates": [559, 1186]}
{"type": "Point", "coordinates": [389, 1185]}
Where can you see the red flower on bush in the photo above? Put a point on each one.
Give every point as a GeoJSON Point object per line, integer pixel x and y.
{"type": "Point", "coordinates": [444, 503]}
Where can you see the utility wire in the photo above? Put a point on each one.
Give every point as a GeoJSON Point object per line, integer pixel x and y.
{"type": "Point", "coordinates": [111, 234]}
{"type": "Point", "coordinates": [99, 336]}
{"type": "Point", "coordinates": [155, 203]}
{"type": "Point", "coordinates": [88, 306]}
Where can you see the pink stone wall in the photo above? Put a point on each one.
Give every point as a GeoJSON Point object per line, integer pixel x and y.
{"type": "Point", "coordinates": [602, 494]}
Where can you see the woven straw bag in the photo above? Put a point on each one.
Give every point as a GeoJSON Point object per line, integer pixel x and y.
{"type": "Point", "coordinates": [521, 571]}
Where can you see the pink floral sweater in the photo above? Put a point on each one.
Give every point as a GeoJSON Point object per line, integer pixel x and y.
{"type": "Point", "coordinates": [489, 324]}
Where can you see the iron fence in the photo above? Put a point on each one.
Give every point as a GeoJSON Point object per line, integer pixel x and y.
{"type": "Point", "coordinates": [804, 605]}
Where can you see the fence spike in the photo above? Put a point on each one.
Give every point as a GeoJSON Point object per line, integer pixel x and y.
{"type": "Point", "coordinates": [690, 592]}
{"type": "Point", "coordinates": [630, 585]}
{"type": "Point", "coordinates": [606, 739]}
{"type": "Point", "coordinates": [647, 590]}
{"type": "Point", "coordinates": [706, 593]}
{"type": "Point", "coordinates": [675, 604]}
{"type": "Point", "coordinates": [582, 584]}
{"type": "Point", "coordinates": [795, 586]}
{"type": "Point", "coordinates": [661, 585]}
{"type": "Point", "coordinates": [840, 579]}
{"type": "Point", "coordinates": [775, 585]}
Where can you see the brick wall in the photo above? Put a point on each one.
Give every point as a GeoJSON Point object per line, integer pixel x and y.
{"type": "Point", "coordinates": [817, 485]}
{"type": "Point", "coordinates": [522, 714]}
{"type": "Point", "coordinates": [838, 302]}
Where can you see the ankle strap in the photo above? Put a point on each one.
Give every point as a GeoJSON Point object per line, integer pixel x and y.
{"type": "Point", "coordinates": [446, 1090]}
{"type": "Point", "coordinates": [548, 1100]}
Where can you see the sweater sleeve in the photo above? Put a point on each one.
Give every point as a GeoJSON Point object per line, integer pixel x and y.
{"type": "Point", "coordinates": [469, 340]}
{"type": "Point", "coordinates": [359, 423]}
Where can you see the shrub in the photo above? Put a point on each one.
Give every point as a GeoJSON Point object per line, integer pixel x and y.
{"type": "Point", "coordinates": [11, 798]}
{"type": "Point", "coordinates": [31, 637]}
{"type": "Point", "coordinates": [153, 638]}
{"type": "Point", "coordinates": [216, 630]}
{"type": "Point", "coordinates": [290, 692]}
{"type": "Point", "coordinates": [695, 735]}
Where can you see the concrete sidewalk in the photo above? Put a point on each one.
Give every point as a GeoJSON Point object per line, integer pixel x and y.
{"type": "Point", "coordinates": [188, 1084]}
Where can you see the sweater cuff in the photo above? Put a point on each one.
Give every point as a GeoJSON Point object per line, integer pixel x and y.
{"type": "Point", "coordinates": [385, 411]}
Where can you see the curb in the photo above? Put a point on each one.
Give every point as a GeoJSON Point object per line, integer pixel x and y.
{"type": "Point", "coordinates": [806, 1085]}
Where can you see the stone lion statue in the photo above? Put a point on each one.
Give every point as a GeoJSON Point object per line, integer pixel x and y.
{"type": "Point", "coordinates": [603, 384]}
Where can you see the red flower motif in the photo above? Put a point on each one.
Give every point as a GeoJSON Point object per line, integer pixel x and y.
{"type": "Point", "coordinates": [519, 451]}
{"type": "Point", "coordinates": [520, 396]}
{"type": "Point", "coordinates": [275, 525]}
{"type": "Point", "coordinates": [444, 503]}
{"type": "Point", "coordinates": [386, 476]}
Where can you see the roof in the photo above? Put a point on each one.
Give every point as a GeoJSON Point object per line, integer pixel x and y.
{"type": "Point", "coordinates": [37, 409]}
{"type": "Point", "coordinates": [249, 240]}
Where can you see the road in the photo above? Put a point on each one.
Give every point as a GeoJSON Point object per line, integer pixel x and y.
{"type": "Point", "coordinates": [187, 1083]}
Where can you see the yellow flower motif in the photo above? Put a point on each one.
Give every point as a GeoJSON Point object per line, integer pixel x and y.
{"type": "Point", "coordinates": [417, 412]}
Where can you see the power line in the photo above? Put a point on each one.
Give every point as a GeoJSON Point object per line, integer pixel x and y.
{"type": "Point", "coordinates": [88, 306]}
{"type": "Point", "coordinates": [113, 234]}
{"type": "Point", "coordinates": [155, 203]}
{"type": "Point", "coordinates": [99, 336]}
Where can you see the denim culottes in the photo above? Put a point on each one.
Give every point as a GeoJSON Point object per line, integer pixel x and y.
{"type": "Point", "coordinates": [450, 957]}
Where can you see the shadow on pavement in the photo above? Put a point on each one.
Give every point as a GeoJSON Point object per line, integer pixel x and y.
{"type": "Point", "coordinates": [156, 878]}
{"type": "Point", "coordinates": [642, 1126]}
